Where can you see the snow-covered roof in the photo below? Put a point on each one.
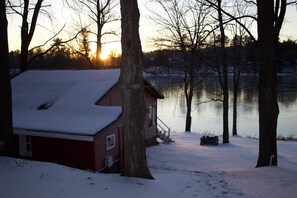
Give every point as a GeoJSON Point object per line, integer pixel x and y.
{"type": "Point", "coordinates": [63, 101]}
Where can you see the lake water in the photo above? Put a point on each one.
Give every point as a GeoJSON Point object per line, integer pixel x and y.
{"type": "Point", "coordinates": [207, 117]}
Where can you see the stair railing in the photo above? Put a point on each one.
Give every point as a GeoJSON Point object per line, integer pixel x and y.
{"type": "Point", "coordinates": [166, 138]}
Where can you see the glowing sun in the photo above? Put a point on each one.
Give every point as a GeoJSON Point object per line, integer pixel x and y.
{"type": "Point", "coordinates": [104, 55]}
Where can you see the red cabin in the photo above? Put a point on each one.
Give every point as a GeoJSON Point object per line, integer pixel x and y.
{"type": "Point", "coordinates": [73, 117]}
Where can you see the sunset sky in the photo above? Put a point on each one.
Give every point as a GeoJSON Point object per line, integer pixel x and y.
{"type": "Point", "coordinates": [63, 16]}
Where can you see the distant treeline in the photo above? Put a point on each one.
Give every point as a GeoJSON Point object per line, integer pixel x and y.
{"type": "Point", "coordinates": [64, 58]}
{"type": "Point", "coordinates": [172, 59]}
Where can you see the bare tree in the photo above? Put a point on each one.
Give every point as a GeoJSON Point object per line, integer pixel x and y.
{"type": "Point", "coordinates": [185, 27]}
{"type": "Point", "coordinates": [223, 74]}
{"type": "Point", "coordinates": [28, 25]}
{"type": "Point", "coordinates": [224, 18]}
{"type": "Point", "coordinates": [237, 54]}
{"type": "Point", "coordinates": [101, 13]}
{"type": "Point", "coordinates": [59, 44]}
{"type": "Point", "coordinates": [6, 135]}
{"type": "Point", "coordinates": [84, 46]}
{"type": "Point", "coordinates": [239, 40]}
{"type": "Point", "coordinates": [221, 65]}
{"type": "Point", "coordinates": [134, 110]}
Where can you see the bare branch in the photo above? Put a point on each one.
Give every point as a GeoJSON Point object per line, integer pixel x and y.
{"type": "Point", "coordinates": [233, 18]}
{"type": "Point", "coordinates": [251, 2]}
{"type": "Point", "coordinates": [216, 100]}
{"type": "Point", "coordinates": [54, 45]}
{"type": "Point", "coordinates": [39, 46]}
{"type": "Point", "coordinates": [13, 7]}
{"type": "Point", "coordinates": [292, 3]}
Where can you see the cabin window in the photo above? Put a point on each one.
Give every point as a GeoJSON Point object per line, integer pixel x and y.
{"type": "Point", "coordinates": [152, 115]}
{"type": "Point", "coordinates": [25, 145]}
{"type": "Point", "coordinates": [110, 141]}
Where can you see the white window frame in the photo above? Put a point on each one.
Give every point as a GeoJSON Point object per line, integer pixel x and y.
{"type": "Point", "coordinates": [25, 143]}
{"type": "Point", "coordinates": [152, 115]}
{"type": "Point", "coordinates": [110, 141]}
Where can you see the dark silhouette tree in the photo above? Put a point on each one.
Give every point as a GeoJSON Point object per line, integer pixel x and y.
{"type": "Point", "coordinates": [237, 55]}
{"type": "Point", "coordinates": [223, 73]}
{"type": "Point", "coordinates": [101, 13]}
{"type": "Point", "coordinates": [224, 18]}
{"type": "Point", "coordinates": [27, 28]}
{"type": "Point", "coordinates": [220, 62]}
{"type": "Point", "coordinates": [6, 130]}
{"type": "Point", "coordinates": [238, 43]}
{"type": "Point", "coordinates": [134, 110]}
{"type": "Point", "coordinates": [287, 52]}
{"type": "Point", "coordinates": [270, 19]}
{"type": "Point", "coordinates": [187, 26]}
{"type": "Point", "coordinates": [85, 43]}
{"type": "Point", "coordinates": [84, 46]}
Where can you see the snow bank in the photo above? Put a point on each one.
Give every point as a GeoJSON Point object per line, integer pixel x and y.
{"type": "Point", "coordinates": [181, 169]}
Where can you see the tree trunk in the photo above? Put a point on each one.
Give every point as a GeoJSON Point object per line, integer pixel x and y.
{"type": "Point", "coordinates": [6, 129]}
{"type": "Point", "coordinates": [99, 38]}
{"type": "Point", "coordinates": [235, 93]}
{"type": "Point", "coordinates": [225, 110]}
{"type": "Point", "coordinates": [189, 85]}
{"type": "Point", "coordinates": [268, 106]}
{"type": "Point", "coordinates": [134, 110]}
{"type": "Point", "coordinates": [28, 32]}
{"type": "Point", "coordinates": [189, 97]}
{"type": "Point", "coordinates": [25, 38]}
{"type": "Point", "coordinates": [236, 78]}
{"type": "Point", "coordinates": [224, 81]}
{"type": "Point", "coordinates": [24, 56]}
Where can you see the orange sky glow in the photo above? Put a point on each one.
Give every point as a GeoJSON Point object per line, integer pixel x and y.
{"type": "Point", "coordinates": [62, 16]}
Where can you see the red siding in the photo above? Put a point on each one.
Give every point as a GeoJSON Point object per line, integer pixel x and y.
{"type": "Point", "coordinates": [100, 146]}
{"type": "Point", "coordinates": [114, 98]}
{"type": "Point", "coordinates": [74, 153]}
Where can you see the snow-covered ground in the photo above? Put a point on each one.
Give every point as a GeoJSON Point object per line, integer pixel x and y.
{"type": "Point", "coordinates": [181, 169]}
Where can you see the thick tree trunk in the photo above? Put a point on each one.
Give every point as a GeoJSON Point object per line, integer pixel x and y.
{"type": "Point", "coordinates": [6, 134]}
{"type": "Point", "coordinates": [134, 110]}
{"type": "Point", "coordinates": [268, 107]}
